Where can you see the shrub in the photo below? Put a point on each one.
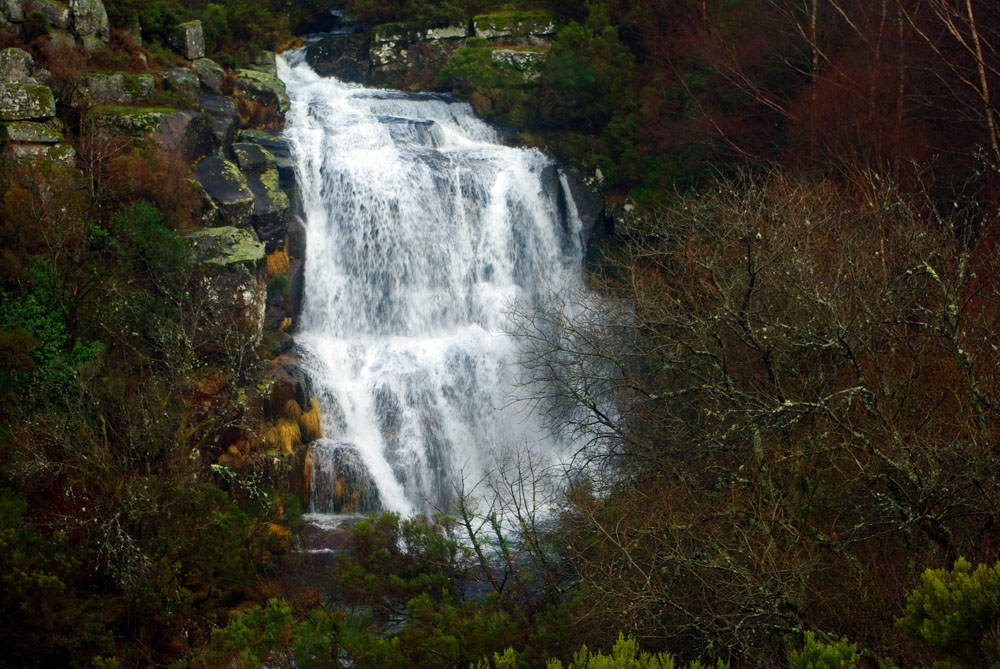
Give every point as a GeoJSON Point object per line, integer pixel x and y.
{"type": "Point", "coordinates": [819, 655]}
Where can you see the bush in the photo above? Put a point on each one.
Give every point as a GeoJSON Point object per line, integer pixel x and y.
{"type": "Point", "coordinates": [958, 612]}
{"type": "Point", "coordinates": [820, 655]}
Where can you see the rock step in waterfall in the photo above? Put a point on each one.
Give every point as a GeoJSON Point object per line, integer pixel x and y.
{"type": "Point", "coordinates": [423, 232]}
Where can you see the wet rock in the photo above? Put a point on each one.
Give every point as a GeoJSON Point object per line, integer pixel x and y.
{"type": "Point", "coordinates": [189, 40]}
{"type": "Point", "coordinates": [16, 65]}
{"type": "Point", "coordinates": [285, 380]}
{"type": "Point", "coordinates": [265, 89]}
{"type": "Point", "coordinates": [90, 19]}
{"type": "Point", "coordinates": [25, 102]}
{"type": "Point", "coordinates": [295, 242]}
{"type": "Point", "coordinates": [589, 204]}
{"type": "Point", "coordinates": [228, 188]}
{"type": "Point", "coordinates": [400, 52]}
{"type": "Point", "coordinates": [271, 208]}
{"type": "Point", "coordinates": [342, 56]}
{"type": "Point", "coordinates": [341, 483]}
{"type": "Point", "coordinates": [232, 286]}
{"type": "Point", "coordinates": [210, 74]}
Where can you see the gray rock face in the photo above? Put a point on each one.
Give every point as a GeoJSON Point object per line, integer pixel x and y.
{"type": "Point", "coordinates": [12, 10]}
{"type": "Point", "coordinates": [30, 133]}
{"type": "Point", "coordinates": [264, 61]}
{"type": "Point", "coordinates": [524, 25]}
{"type": "Point", "coordinates": [222, 116]}
{"type": "Point", "coordinates": [62, 154]}
{"type": "Point", "coordinates": [98, 88]}
{"type": "Point", "coordinates": [56, 12]}
{"type": "Point", "coordinates": [341, 56]}
{"type": "Point", "coordinates": [398, 50]}
{"type": "Point", "coordinates": [25, 102]}
{"type": "Point", "coordinates": [90, 19]}
{"type": "Point", "coordinates": [189, 40]}
{"type": "Point", "coordinates": [227, 186]}
{"type": "Point", "coordinates": [263, 88]}
{"type": "Point", "coordinates": [182, 81]}
{"type": "Point", "coordinates": [589, 204]}
{"type": "Point", "coordinates": [16, 65]}
{"type": "Point", "coordinates": [210, 74]}
{"type": "Point", "coordinates": [233, 282]}
{"type": "Point", "coordinates": [184, 131]}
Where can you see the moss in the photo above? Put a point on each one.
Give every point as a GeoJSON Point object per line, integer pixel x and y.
{"type": "Point", "coordinates": [226, 246]}
{"type": "Point", "coordinates": [27, 131]}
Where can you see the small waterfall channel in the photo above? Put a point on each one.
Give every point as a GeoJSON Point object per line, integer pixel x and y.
{"type": "Point", "coordinates": [423, 232]}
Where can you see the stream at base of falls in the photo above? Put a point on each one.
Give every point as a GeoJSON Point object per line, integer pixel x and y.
{"type": "Point", "coordinates": [423, 233]}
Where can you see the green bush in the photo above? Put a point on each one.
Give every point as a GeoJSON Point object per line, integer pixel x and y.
{"type": "Point", "coordinates": [625, 654]}
{"type": "Point", "coordinates": [958, 612]}
{"type": "Point", "coordinates": [819, 655]}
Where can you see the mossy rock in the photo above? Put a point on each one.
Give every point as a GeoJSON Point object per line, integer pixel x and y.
{"type": "Point", "coordinates": [16, 65]}
{"type": "Point", "coordinates": [225, 247]}
{"type": "Point", "coordinates": [271, 208]}
{"type": "Point", "coordinates": [30, 132]}
{"type": "Point", "coordinates": [263, 88]}
{"type": "Point", "coordinates": [514, 23]}
{"type": "Point", "coordinates": [277, 145]}
{"type": "Point", "coordinates": [60, 154]}
{"type": "Point", "coordinates": [56, 12]}
{"type": "Point", "coordinates": [253, 158]}
{"type": "Point", "coordinates": [26, 102]}
{"type": "Point", "coordinates": [135, 122]}
{"type": "Point", "coordinates": [210, 74]}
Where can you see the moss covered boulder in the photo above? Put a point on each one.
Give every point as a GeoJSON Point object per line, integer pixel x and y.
{"type": "Point", "coordinates": [90, 19]}
{"type": "Point", "coordinates": [56, 12]}
{"type": "Point", "coordinates": [29, 132]}
{"type": "Point", "coordinates": [183, 82]}
{"type": "Point", "coordinates": [25, 102]}
{"type": "Point", "coordinates": [114, 88]}
{"type": "Point", "coordinates": [527, 26]}
{"type": "Point", "coordinates": [277, 145]}
{"type": "Point", "coordinates": [253, 158]}
{"type": "Point", "coordinates": [189, 40]}
{"type": "Point", "coordinates": [228, 188]}
{"type": "Point", "coordinates": [60, 154]}
{"type": "Point", "coordinates": [221, 113]}
{"type": "Point", "coordinates": [233, 270]}
{"type": "Point", "coordinates": [409, 55]}
{"type": "Point", "coordinates": [271, 208]}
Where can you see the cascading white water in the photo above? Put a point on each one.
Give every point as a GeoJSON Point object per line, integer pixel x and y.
{"type": "Point", "coordinates": [422, 233]}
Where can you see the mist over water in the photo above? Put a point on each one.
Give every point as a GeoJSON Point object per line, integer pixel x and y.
{"type": "Point", "coordinates": [422, 233]}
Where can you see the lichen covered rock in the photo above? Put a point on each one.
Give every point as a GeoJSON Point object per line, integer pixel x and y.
{"type": "Point", "coordinates": [61, 154]}
{"type": "Point", "coordinates": [114, 88]}
{"type": "Point", "coordinates": [90, 19]}
{"type": "Point", "coordinates": [189, 40]}
{"type": "Point", "coordinates": [515, 24]}
{"type": "Point", "coordinates": [253, 158]}
{"type": "Point", "coordinates": [16, 65]}
{"type": "Point", "coordinates": [342, 56]}
{"type": "Point", "coordinates": [210, 74]}
{"type": "Point", "coordinates": [12, 10]}
{"type": "Point", "coordinates": [56, 12]}
{"type": "Point", "coordinates": [265, 89]}
{"type": "Point", "coordinates": [233, 286]}
{"type": "Point", "coordinates": [277, 145]}
{"type": "Point", "coordinates": [228, 188]}
{"type": "Point", "coordinates": [29, 132]}
{"type": "Point", "coordinates": [264, 61]}
{"type": "Point", "coordinates": [271, 208]}
{"type": "Point", "coordinates": [221, 115]}
{"type": "Point", "coordinates": [184, 131]}
{"type": "Point", "coordinates": [25, 102]}
{"type": "Point", "coordinates": [182, 81]}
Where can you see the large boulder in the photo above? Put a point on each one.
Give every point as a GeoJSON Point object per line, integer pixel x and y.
{"type": "Point", "coordinates": [29, 132]}
{"type": "Point", "coordinates": [233, 287]}
{"type": "Point", "coordinates": [410, 55]}
{"type": "Point", "coordinates": [227, 186]}
{"type": "Point", "coordinates": [340, 481]}
{"type": "Point", "coordinates": [114, 88]}
{"type": "Point", "coordinates": [29, 141]}
{"type": "Point", "coordinates": [271, 208]}
{"type": "Point", "coordinates": [264, 89]}
{"type": "Point", "coordinates": [16, 65]}
{"type": "Point", "coordinates": [342, 56]}
{"type": "Point", "coordinates": [210, 74]}
{"type": "Point", "coordinates": [182, 131]}
{"type": "Point", "coordinates": [588, 203]}
{"type": "Point", "coordinates": [189, 40]}
{"type": "Point", "coordinates": [253, 158]}
{"type": "Point", "coordinates": [278, 146]}
{"type": "Point", "coordinates": [25, 102]}
{"type": "Point", "coordinates": [90, 19]}
{"type": "Point", "coordinates": [12, 10]}
{"type": "Point", "coordinates": [56, 12]}
{"type": "Point", "coordinates": [264, 61]}
{"type": "Point", "coordinates": [183, 82]}
{"type": "Point", "coordinates": [221, 112]}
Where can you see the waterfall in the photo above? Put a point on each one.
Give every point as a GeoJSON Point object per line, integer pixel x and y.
{"type": "Point", "coordinates": [423, 231]}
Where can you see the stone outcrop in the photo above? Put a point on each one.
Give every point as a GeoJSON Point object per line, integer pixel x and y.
{"type": "Point", "coordinates": [228, 188]}
{"type": "Point", "coordinates": [183, 82]}
{"type": "Point", "coordinates": [232, 284]}
{"type": "Point", "coordinates": [12, 11]}
{"type": "Point", "coordinates": [277, 146]}
{"type": "Point", "coordinates": [264, 61]}
{"type": "Point", "coordinates": [26, 102]}
{"type": "Point", "coordinates": [90, 19]}
{"type": "Point", "coordinates": [210, 74]}
{"type": "Point", "coordinates": [184, 131]}
{"type": "Point", "coordinates": [16, 65]}
{"type": "Point", "coordinates": [114, 88]}
{"type": "Point", "coordinates": [188, 40]}
{"type": "Point", "coordinates": [264, 89]}
{"type": "Point", "coordinates": [271, 206]}
{"type": "Point", "coordinates": [400, 52]}
{"type": "Point", "coordinates": [530, 27]}
{"type": "Point", "coordinates": [528, 63]}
